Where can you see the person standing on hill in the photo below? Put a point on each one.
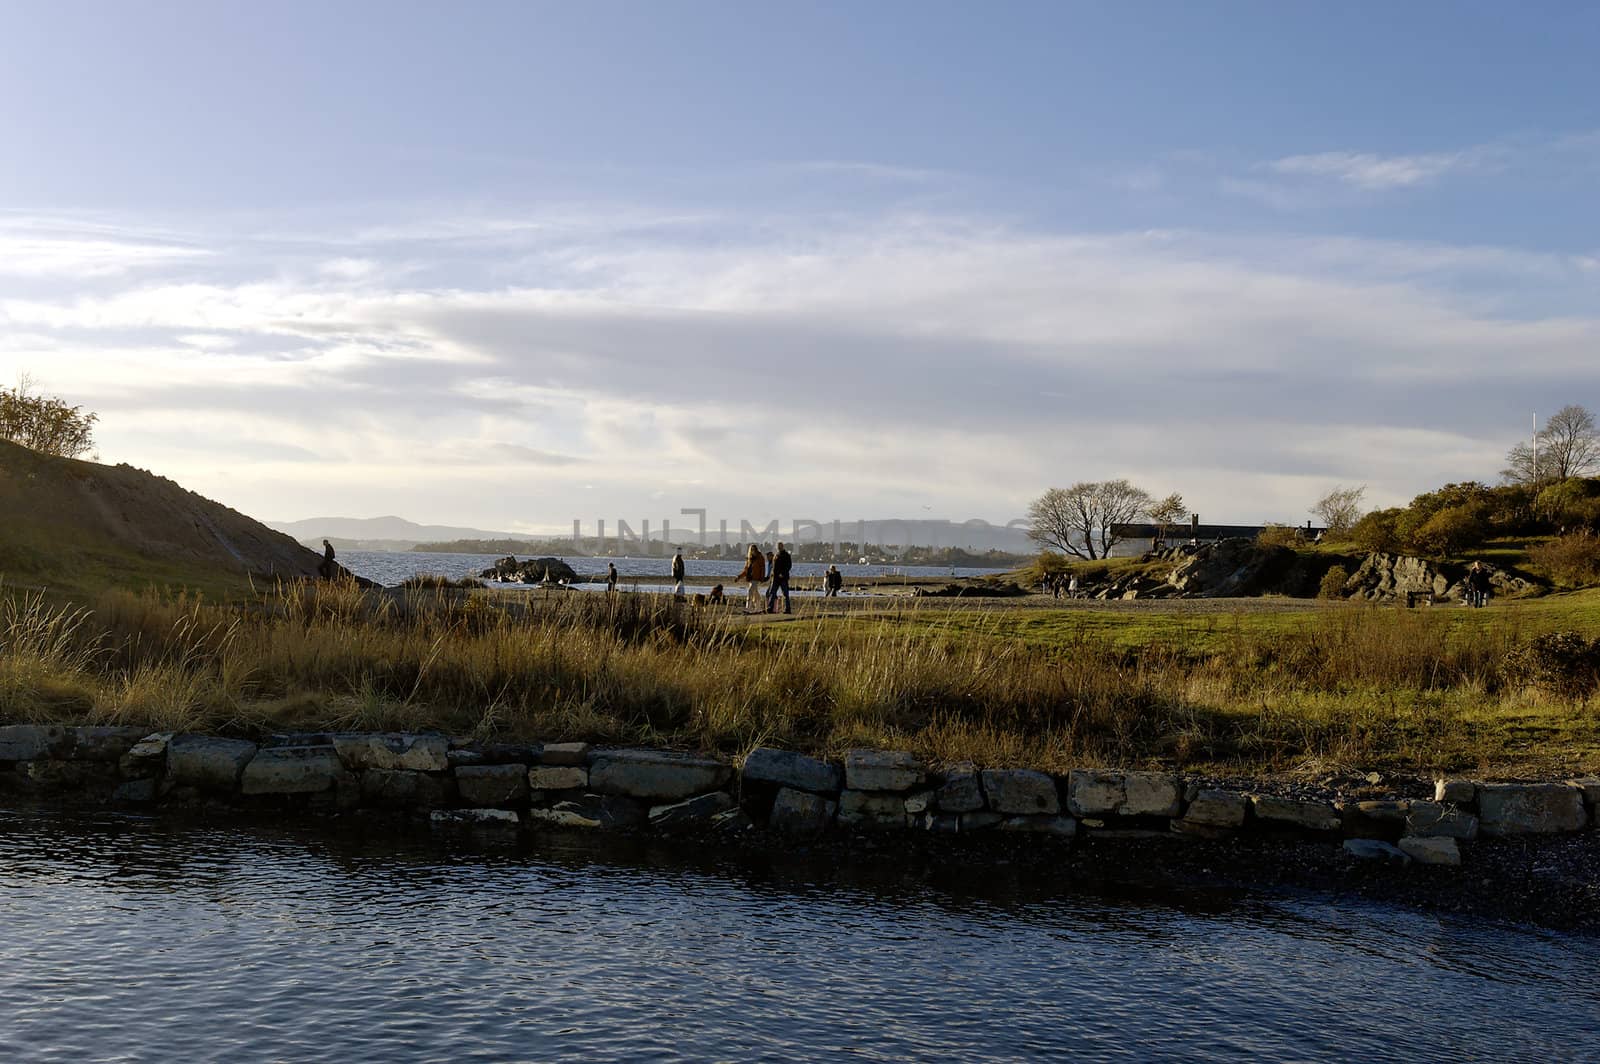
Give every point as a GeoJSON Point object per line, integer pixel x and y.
{"type": "Point", "coordinates": [781, 564]}
{"type": "Point", "coordinates": [755, 571]}
{"type": "Point", "coordinates": [611, 577]}
{"type": "Point", "coordinates": [328, 568]}
{"type": "Point", "coordinates": [677, 573]}
{"type": "Point", "coordinates": [1478, 584]}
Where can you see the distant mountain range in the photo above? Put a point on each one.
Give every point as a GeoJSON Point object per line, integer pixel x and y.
{"type": "Point", "coordinates": [398, 534]}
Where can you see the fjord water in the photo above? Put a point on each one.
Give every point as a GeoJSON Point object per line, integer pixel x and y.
{"type": "Point", "coordinates": [133, 939]}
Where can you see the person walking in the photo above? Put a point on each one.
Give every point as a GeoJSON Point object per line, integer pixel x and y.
{"type": "Point", "coordinates": [1072, 586]}
{"type": "Point", "coordinates": [677, 573]}
{"type": "Point", "coordinates": [755, 571]}
{"type": "Point", "coordinates": [611, 577]}
{"type": "Point", "coordinates": [781, 564]}
{"type": "Point", "coordinates": [1478, 584]}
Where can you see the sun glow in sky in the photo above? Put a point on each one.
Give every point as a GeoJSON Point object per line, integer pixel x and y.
{"type": "Point", "coordinates": [505, 265]}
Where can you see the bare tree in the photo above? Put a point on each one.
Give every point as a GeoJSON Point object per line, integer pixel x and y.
{"type": "Point", "coordinates": [1166, 513]}
{"type": "Point", "coordinates": [44, 423]}
{"type": "Point", "coordinates": [1567, 446]}
{"type": "Point", "coordinates": [1340, 509]}
{"type": "Point", "coordinates": [1080, 520]}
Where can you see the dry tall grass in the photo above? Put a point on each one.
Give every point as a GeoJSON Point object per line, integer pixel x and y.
{"type": "Point", "coordinates": [1360, 688]}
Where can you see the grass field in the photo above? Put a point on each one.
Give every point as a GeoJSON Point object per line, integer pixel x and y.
{"type": "Point", "coordinates": [1259, 686]}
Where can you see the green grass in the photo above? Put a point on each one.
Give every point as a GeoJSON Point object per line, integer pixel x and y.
{"type": "Point", "coordinates": [1337, 686]}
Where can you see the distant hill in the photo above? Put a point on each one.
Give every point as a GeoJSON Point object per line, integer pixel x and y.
{"type": "Point", "coordinates": [370, 531]}
{"type": "Point", "coordinates": [82, 526]}
{"type": "Point", "coordinates": [396, 533]}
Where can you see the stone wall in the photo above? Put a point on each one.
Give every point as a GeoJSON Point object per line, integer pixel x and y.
{"type": "Point", "coordinates": [574, 785]}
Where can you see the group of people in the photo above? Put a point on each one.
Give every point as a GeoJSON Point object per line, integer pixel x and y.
{"type": "Point", "coordinates": [1058, 584]}
{"type": "Point", "coordinates": [770, 569]}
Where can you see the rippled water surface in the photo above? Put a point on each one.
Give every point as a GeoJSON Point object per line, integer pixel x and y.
{"type": "Point", "coordinates": [131, 939]}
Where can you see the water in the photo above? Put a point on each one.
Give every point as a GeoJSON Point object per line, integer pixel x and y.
{"type": "Point", "coordinates": [394, 567]}
{"type": "Point", "coordinates": [135, 940]}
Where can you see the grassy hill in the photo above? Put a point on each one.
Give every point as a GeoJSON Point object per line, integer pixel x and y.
{"type": "Point", "coordinates": [79, 527]}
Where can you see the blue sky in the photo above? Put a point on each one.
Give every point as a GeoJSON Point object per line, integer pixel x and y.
{"type": "Point", "coordinates": [507, 265]}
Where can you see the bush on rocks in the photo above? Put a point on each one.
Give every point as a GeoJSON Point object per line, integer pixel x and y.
{"type": "Point", "coordinates": [1333, 582]}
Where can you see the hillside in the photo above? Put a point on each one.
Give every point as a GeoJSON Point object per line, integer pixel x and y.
{"type": "Point", "coordinates": [80, 526]}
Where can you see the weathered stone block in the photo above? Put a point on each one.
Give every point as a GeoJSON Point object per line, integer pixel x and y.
{"type": "Point", "coordinates": [981, 821]}
{"type": "Point", "coordinates": [393, 750]}
{"type": "Point", "coordinates": [1433, 851]}
{"type": "Point", "coordinates": [801, 813]}
{"type": "Point", "coordinates": [1217, 809]}
{"type": "Point", "coordinates": [558, 777]}
{"type": "Point", "coordinates": [497, 819]}
{"type": "Point", "coordinates": [592, 811]}
{"type": "Point", "coordinates": [207, 762]}
{"type": "Point", "coordinates": [104, 743]}
{"type": "Point", "coordinates": [1185, 829]}
{"type": "Point", "coordinates": [564, 754]}
{"type": "Point", "coordinates": [1093, 792]}
{"type": "Point", "coordinates": [135, 792]}
{"type": "Point", "coordinates": [1393, 812]}
{"type": "Point", "coordinates": [1376, 850]}
{"type": "Point", "coordinates": [57, 774]}
{"type": "Point", "coordinates": [34, 742]}
{"type": "Point", "coordinates": [1063, 827]}
{"type": "Point", "coordinates": [1530, 809]}
{"type": "Point", "coordinates": [789, 769]}
{"type": "Point", "coordinates": [694, 811]}
{"type": "Point", "coordinates": [398, 786]}
{"type": "Point", "coordinates": [882, 770]}
{"type": "Point", "coordinates": [939, 823]}
{"type": "Point", "coordinates": [492, 785]}
{"type": "Point", "coordinates": [291, 770]}
{"type": "Point", "coordinates": [1149, 794]}
{"type": "Point", "coordinates": [146, 758]}
{"type": "Point", "coordinates": [656, 775]}
{"type": "Point", "coordinates": [1590, 786]}
{"type": "Point", "coordinates": [1021, 792]}
{"type": "Point", "coordinates": [1437, 820]}
{"type": "Point", "coordinates": [1296, 813]}
{"type": "Point", "coordinates": [872, 809]}
{"type": "Point", "coordinates": [1457, 792]}
{"type": "Point", "coordinates": [960, 792]}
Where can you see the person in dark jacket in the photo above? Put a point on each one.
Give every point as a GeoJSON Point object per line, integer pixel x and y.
{"type": "Point", "coordinates": [611, 576]}
{"type": "Point", "coordinates": [328, 568]}
{"type": "Point", "coordinates": [781, 564]}
{"type": "Point", "coordinates": [832, 581]}
{"type": "Point", "coordinates": [677, 573]}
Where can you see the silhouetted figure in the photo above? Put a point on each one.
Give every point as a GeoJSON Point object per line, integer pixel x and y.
{"type": "Point", "coordinates": [832, 581]}
{"type": "Point", "coordinates": [781, 564]}
{"type": "Point", "coordinates": [677, 573]}
{"type": "Point", "coordinates": [328, 569]}
{"type": "Point", "coordinates": [716, 598]}
{"type": "Point", "coordinates": [611, 577]}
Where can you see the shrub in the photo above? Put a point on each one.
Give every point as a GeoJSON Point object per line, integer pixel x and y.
{"type": "Point", "coordinates": [1450, 530]}
{"type": "Point", "coordinates": [1572, 559]}
{"type": "Point", "coordinates": [1563, 663]}
{"type": "Point", "coordinates": [1333, 582]}
{"type": "Point", "coordinates": [1377, 531]}
{"type": "Point", "coordinates": [1279, 536]}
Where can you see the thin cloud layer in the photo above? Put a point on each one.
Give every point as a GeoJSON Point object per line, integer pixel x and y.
{"type": "Point", "coordinates": [814, 368]}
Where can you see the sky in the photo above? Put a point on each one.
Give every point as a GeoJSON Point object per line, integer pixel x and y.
{"type": "Point", "coordinates": [508, 265]}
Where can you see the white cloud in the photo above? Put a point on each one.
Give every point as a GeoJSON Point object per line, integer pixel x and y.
{"type": "Point", "coordinates": [1370, 171]}
{"type": "Point", "coordinates": [854, 369]}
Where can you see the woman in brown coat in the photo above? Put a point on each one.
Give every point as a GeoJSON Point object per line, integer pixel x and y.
{"type": "Point", "coordinates": [755, 571]}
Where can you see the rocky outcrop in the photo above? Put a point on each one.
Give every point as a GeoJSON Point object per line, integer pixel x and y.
{"type": "Point", "coordinates": [1386, 577]}
{"type": "Point", "coordinates": [531, 571]}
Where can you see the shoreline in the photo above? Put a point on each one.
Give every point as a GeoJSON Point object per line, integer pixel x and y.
{"type": "Point", "coordinates": [1526, 852]}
